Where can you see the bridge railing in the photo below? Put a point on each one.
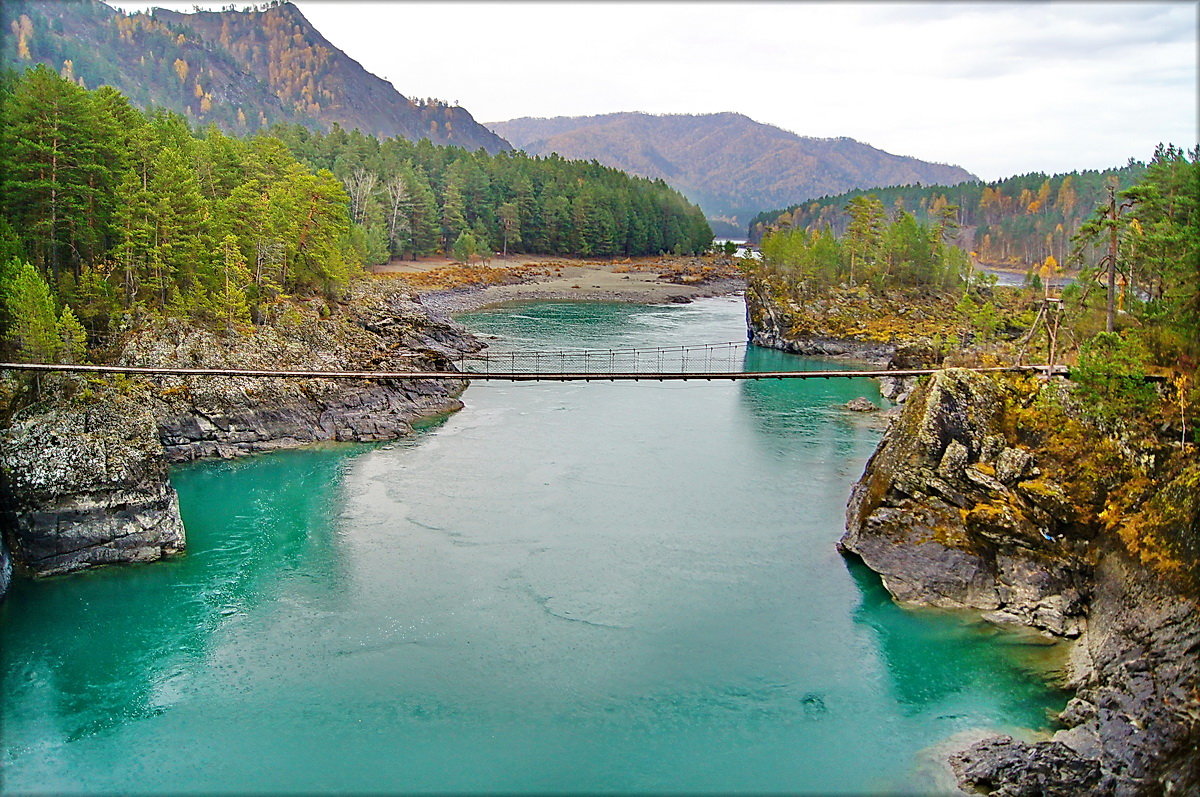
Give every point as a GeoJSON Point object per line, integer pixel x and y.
{"type": "Point", "coordinates": [694, 359]}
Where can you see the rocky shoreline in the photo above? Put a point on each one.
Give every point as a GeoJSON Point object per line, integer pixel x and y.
{"type": "Point", "coordinates": [962, 507]}
{"type": "Point", "coordinates": [84, 475]}
{"type": "Point", "coordinates": [954, 510]}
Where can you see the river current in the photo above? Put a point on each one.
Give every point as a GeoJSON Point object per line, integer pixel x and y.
{"type": "Point", "coordinates": [626, 587]}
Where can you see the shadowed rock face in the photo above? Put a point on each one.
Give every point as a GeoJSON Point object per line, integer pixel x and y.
{"type": "Point", "coordinates": [88, 486]}
{"type": "Point", "coordinates": [85, 481]}
{"type": "Point", "coordinates": [203, 417]}
{"type": "Point", "coordinates": [952, 512]}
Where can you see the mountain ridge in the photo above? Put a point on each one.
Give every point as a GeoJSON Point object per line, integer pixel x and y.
{"type": "Point", "coordinates": [241, 70]}
{"type": "Point", "coordinates": [731, 165]}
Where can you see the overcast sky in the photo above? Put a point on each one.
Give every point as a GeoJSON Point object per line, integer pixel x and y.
{"type": "Point", "coordinates": [997, 88]}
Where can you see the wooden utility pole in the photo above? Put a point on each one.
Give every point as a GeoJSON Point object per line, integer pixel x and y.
{"type": "Point", "coordinates": [1053, 317]}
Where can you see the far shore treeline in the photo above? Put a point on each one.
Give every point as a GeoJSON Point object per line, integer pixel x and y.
{"type": "Point", "coordinates": [1017, 222]}
{"type": "Point", "coordinates": [1136, 244]}
{"type": "Point", "coordinates": [415, 198]}
{"type": "Point", "coordinates": [109, 211]}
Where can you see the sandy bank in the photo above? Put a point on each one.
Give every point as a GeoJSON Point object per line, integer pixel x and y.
{"type": "Point", "coordinates": [448, 288]}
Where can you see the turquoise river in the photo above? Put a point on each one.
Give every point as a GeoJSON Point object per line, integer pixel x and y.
{"type": "Point", "coordinates": [625, 587]}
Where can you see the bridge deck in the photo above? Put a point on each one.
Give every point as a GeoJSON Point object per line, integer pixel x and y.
{"type": "Point", "coordinates": [511, 376]}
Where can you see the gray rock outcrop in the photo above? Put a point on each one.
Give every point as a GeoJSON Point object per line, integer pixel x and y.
{"type": "Point", "coordinates": [202, 417]}
{"type": "Point", "coordinates": [953, 511]}
{"type": "Point", "coordinates": [87, 485]}
{"type": "Point", "coordinates": [932, 516]}
{"type": "Point", "coordinates": [84, 474]}
{"type": "Point", "coordinates": [861, 404]}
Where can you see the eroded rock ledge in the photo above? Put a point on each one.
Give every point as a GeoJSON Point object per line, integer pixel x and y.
{"type": "Point", "coordinates": [954, 509]}
{"type": "Point", "coordinates": [83, 477]}
{"type": "Point", "coordinates": [774, 322]}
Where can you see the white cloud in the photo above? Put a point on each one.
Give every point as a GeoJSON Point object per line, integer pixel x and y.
{"type": "Point", "coordinates": [999, 88]}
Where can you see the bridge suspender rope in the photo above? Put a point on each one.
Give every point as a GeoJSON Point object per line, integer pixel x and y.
{"type": "Point", "coordinates": [511, 376]}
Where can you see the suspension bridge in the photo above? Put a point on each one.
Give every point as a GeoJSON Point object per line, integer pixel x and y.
{"type": "Point", "coordinates": [707, 361]}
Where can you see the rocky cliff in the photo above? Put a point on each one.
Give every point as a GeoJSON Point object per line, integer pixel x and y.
{"type": "Point", "coordinates": [889, 332]}
{"type": "Point", "coordinates": [205, 417]}
{"type": "Point", "coordinates": [986, 494]}
{"type": "Point", "coordinates": [85, 483]}
{"type": "Point", "coordinates": [83, 473]}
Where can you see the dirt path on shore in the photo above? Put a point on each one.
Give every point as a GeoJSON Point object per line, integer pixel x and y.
{"type": "Point", "coordinates": [448, 287]}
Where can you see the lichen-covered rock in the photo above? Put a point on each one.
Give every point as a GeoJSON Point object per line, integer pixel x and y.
{"type": "Point", "coordinates": [915, 354]}
{"type": "Point", "coordinates": [201, 417]}
{"type": "Point", "coordinates": [934, 518]}
{"type": "Point", "coordinates": [954, 511]}
{"type": "Point", "coordinates": [88, 485]}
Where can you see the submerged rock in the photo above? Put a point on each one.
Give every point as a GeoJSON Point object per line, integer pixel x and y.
{"type": "Point", "coordinates": [861, 404]}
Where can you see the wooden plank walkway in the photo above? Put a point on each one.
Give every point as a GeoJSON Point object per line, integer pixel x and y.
{"type": "Point", "coordinates": [511, 376]}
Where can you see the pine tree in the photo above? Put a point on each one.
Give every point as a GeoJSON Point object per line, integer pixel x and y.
{"type": "Point", "coordinates": [33, 326]}
{"type": "Point", "coordinates": [72, 338]}
{"type": "Point", "coordinates": [229, 300]}
{"type": "Point", "coordinates": [55, 158]}
{"type": "Point", "coordinates": [466, 248]}
{"type": "Point", "coordinates": [454, 207]}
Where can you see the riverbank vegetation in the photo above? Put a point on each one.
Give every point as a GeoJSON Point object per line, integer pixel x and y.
{"type": "Point", "coordinates": [1018, 222]}
{"type": "Point", "coordinates": [110, 216]}
{"type": "Point", "coordinates": [891, 276]}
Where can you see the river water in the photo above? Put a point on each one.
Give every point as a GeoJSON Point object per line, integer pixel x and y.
{"type": "Point", "coordinates": [564, 587]}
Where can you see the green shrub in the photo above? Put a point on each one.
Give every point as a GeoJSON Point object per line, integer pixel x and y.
{"type": "Point", "coordinates": [1110, 379]}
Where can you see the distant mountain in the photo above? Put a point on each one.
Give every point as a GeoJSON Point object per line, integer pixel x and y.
{"type": "Point", "coordinates": [241, 70]}
{"type": "Point", "coordinates": [730, 165]}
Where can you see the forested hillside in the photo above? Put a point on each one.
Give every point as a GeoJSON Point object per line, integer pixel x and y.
{"type": "Point", "coordinates": [1019, 221]}
{"type": "Point", "coordinates": [111, 216]}
{"type": "Point", "coordinates": [730, 165]}
{"type": "Point", "coordinates": [413, 199]}
{"type": "Point", "coordinates": [242, 70]}
{"type": "Point", "coordinates": [109, 213]}
{"type": "Point", "coordinates": [1148, 313]}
